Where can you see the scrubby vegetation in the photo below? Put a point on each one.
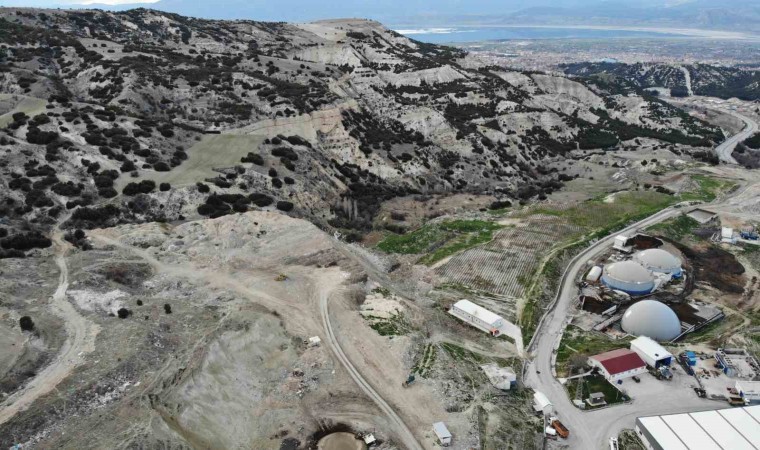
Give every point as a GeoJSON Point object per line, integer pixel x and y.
{"type": "Point", "coordinates": [440, 240]}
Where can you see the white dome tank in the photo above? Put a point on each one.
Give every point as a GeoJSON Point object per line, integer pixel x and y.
{"type": "Point", "coordinates": [659, 261]}
{"type": "Point", "coordinates": [629, 277]}
{"type": "Point", "coordinates": [652, 319]}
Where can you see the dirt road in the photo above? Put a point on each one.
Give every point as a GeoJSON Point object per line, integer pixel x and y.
{"type": "Point", "coordinates": [80, 340]}
{"type": "Point", "coordinates": [410, 442]}
{"type": "Point", "coordinates": [225, 281]}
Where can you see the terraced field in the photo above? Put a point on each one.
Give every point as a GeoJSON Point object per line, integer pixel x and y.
{"type": "Point", "coordinates": [505, 265]}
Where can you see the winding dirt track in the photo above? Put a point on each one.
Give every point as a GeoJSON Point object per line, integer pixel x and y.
{"type": "Point", "coordinates": [410, 442]}
{"type": "Point", "coordinates": [225, 281]}
{"type": "Point", "coordinates": [80, 340]}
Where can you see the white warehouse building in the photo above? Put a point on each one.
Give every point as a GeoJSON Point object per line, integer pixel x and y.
{"type": "Point", "coordinates": [477, 316]}
{"type": "Point", "coordinates": [651, 352]}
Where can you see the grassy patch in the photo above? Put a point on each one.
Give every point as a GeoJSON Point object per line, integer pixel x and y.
{"type": "Point", "coordinates": [676, 228]}
{"type": "Point", "coordinates": [588, 344]}
{"type": "Point", "coordinates": [459, 353]}
{"type": "Point", "coordinates": [709, 188]}
{"type": "Point", "coordinates": [394, 326]}
{"type": "Point", "coordinates": [440, 240]}
{"type": "Point", "coordinates": [596, 383]}
{"type": "Point", "coordinates": [426, 361]}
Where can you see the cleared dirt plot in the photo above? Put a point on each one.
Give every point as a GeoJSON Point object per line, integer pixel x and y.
{"type": "Point", "coordinates": [504, 265]}
{"type": "Point", "coordinates": [11, 104]}
{"type": "Point", "coordinates": [213, 151]}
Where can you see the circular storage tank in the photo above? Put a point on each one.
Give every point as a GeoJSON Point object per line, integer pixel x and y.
{"type": "Point", "coordinates": [629, 277]}
{"type": "Point", "coordinates": [652, 319]}
{"type": "Point", "coordinates": [659, 261]}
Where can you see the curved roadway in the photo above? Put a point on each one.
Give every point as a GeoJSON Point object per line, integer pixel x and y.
{"type": "Point", "coordinates": [539, 373]}
{"type": "Point", "coordinates": [726, 149]}
{"type": "Point", "coordinates": [80, 340]}
{"type": "Point", "coordinates": [409, 441]}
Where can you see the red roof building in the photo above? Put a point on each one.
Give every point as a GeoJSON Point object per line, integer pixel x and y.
{"type": "Point", "coordinates": [618, 364]}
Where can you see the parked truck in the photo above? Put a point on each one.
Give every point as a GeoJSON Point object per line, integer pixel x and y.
{"type": "Point", "coordinates": [562, 431]}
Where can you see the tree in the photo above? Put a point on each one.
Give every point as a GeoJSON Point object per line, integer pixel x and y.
{"type": "Point", "coordinates": [26, 323]}
{"type": "Point", "coordinates": [167, 308]}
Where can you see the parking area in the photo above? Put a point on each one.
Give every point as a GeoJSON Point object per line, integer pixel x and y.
{"type": "Point", "coordinates": [650, 389]}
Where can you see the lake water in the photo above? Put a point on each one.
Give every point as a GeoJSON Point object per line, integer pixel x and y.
{"type": "Point", "coordinates": [444, 35]}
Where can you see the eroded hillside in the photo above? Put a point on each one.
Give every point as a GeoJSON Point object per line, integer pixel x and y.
{"type": "Point", "coordinates": [148, 116]}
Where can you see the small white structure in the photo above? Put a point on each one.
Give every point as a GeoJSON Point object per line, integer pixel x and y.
{"type": "Point", "coordinates": [503, 378]}
{"type": "Point", "coordinates": [651, 352]}
{"type": "Point", "coordinates": [369, 439]}
{"type": "Point", "coordinates": [620, 244]}
{"type": "Point", "coordinates": [477, 316]}
{"type": "Point", "coordinates": [314, 341]}
{"type": "Point", "coordinates": [594, 274]}
{"type": "Point", "coordinates": [443, 434]}
{"type": "Point", "coordinates": [749, 391]}
{"type": "Point", "coordinates": [541, 403]}
{"type": "Point", "coordinates": [727, 235]}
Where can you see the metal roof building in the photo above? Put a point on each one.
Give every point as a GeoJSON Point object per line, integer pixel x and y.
{"type": "Point", "coordinates": [477, 316]}
{"type": "Point", "coordinates": [629, 277]}
{"type": "Point", "coordinates": [651, 352]}
{"type": "Point", "coordinates": [724, 429]}
{"type": "Point", "coordinates": [659, 261]}
{"type": "Point", "coordinates": [652, 319]}
{"type": "Point", "coordinates": [618, 364]}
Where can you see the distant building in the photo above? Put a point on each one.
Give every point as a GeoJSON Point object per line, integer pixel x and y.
{"type": "Point", "coordinates": [651, 352]}
{"type": "Point", "coordinates": [749, 391]}
{"type": "Point", "coordinates": [442, 433]}
{"type": "Point", "coordinates": [477, 316]}
{"type": "Point", "coordinates": [618, 364]}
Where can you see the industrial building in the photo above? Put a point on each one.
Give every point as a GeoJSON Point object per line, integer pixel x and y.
{"type": "Point", "coordinates": [749, 391]}
{"type": "Point", "coordinates": [477, 316]}
{"type": "Point", "coordinates": [651, 352]}
{"type": "Point", "coordinates": [652, 319]}
{"type": "Point", "coordinates": [618, 364]}
{"type": "Point", "coordinates": [629, 277]}
{"type": "Point", "coordinates": [724, 429]}
{"type": "Point", "coordinates": [737, 363]}
{"type": "Point", "coordinates": [659, 261]}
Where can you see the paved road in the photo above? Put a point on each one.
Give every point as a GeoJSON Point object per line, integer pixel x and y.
{"type": "Point", "coordinates": [584, 433]}
{"type": "Point", "coordinates": [592, 429]}
{"type": "Point", "coordinates": [726, 149]}
{"type": "Point", "coordinates": [80, 340]}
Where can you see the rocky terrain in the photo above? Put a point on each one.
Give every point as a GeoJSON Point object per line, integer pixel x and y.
{"type": "Point", "coordinates": [179, 200]}
{"type": "Point", "coordinates": [682, 80]}
{"type": "Point", "coordinates": [147, 116]}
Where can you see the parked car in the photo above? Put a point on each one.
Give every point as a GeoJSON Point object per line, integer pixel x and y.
{"type": "Point", "coordinates": [636, 378]}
